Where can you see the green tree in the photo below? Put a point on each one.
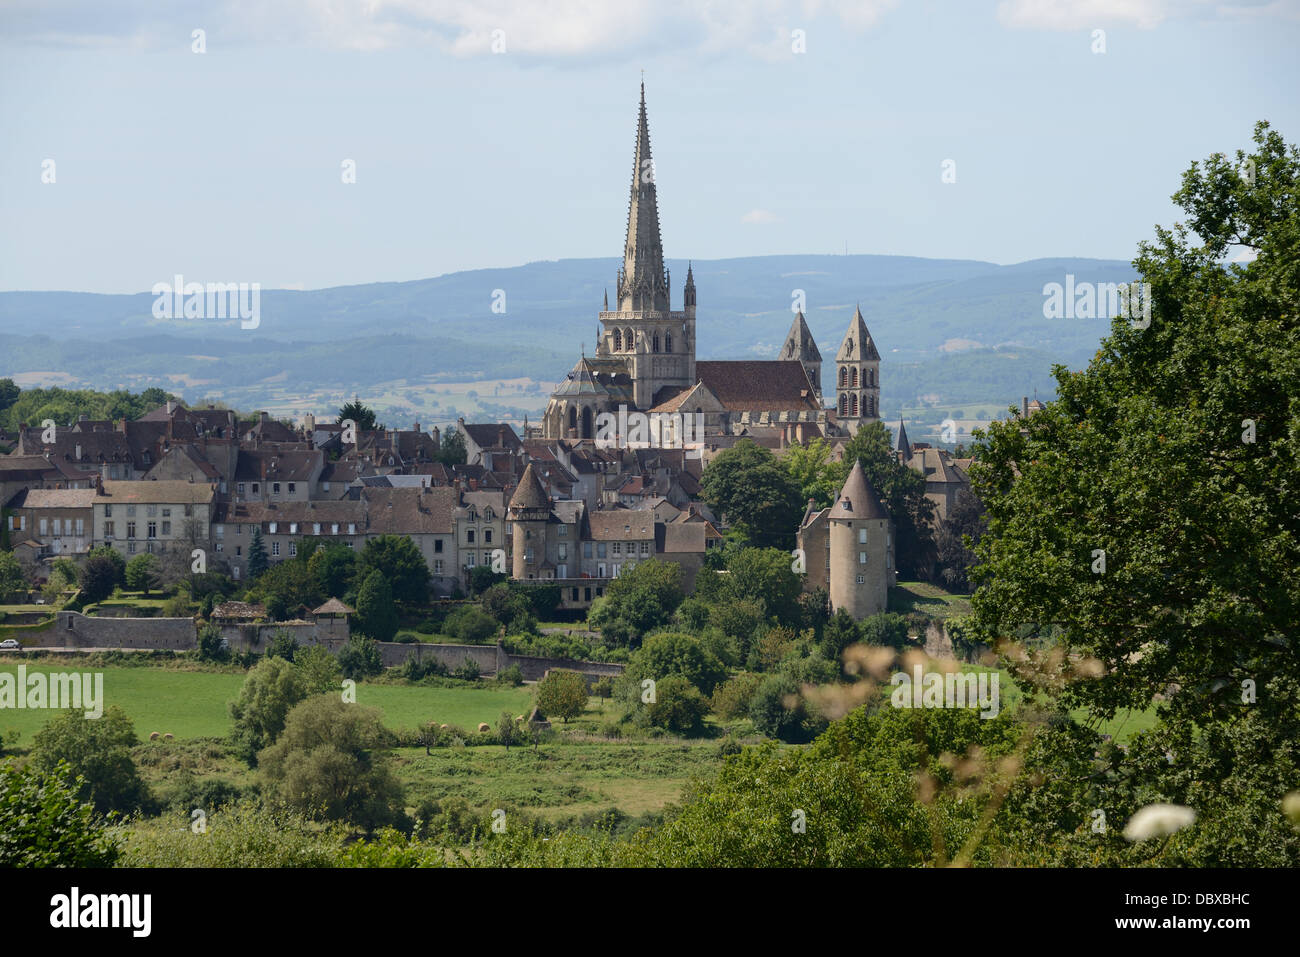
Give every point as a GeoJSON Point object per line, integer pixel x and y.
{"type": "Point", "coordinates": [114, 556]}
{"type": "Point", "coordinates": [398, 559]}
{"type": "Point", "coordinates": [678, 706]}
{"type": "Point", "coordinates": [508, 732]}
{"type": "Point", "coordinates": [887, 629]}
{"type": "Point", "coordinates": [44, 823]}
{"type": "Point", "coordinates": [142, 573]}
{"type": "Point", "coordinates": [453, 451]}
{"type": "Point", "coordinates": [673, 653]}
{"type": "Point", "coordinates": [272, 688]}
{"type": "Point", "coordinates": [99, 752]}
{"type": "Point", "coordinates": [378, 615]}
{"type": "Point", "coordinates": [332, 762]}
{"type": "Point", "coordinates": [811, 468]}
{"type": "Point", "coordinates": [12, 582]}
{"type": "Point", "coordinates": [257, 560]}
{"type": "Point", "coordinates": [9, 393]}
{"type": "Point", "coordinates": [562, 694]}
{"type": "Point", "coordinates": [362, 415]}
{"type": "Point", "coordinates": [957, 538]}
{"type": "Point", "coordinates": [212, 647]}
{"type": "Point", "coordinates": [288, 589]}
{"type": "Point", "coordinates": [98, 578]}
{"type": "Point", "coordinates": [470, 623]}
{"type": "Point", "coordinates": [755, 494]}
{"type": "Point", "coordinates": [334, 568]}
{"type": "Point", "coordinates": [360, 658]}
{"type": "Point", "coordinates": [319, 669]}
{"type": "Point", "coordinates": [282, 645]}
{"type": "Point", "coordinates": [637, 601]}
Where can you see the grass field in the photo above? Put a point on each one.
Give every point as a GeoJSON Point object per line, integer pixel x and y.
{"type": "Point", "coordinates": [928, 599]}
{"type": "Point", "coordinates": [192, 704]}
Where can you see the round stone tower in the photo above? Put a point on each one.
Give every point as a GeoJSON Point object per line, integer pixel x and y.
{"type": "Point", "coordinates": [529, 514]}
{"type": "Point", "coordinates": [861, 549]}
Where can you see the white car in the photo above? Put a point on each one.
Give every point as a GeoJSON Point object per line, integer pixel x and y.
{"type": "Point", "coordinates": [10, 643]}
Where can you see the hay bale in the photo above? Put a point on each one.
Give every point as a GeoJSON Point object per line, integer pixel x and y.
{"type": "Point", "coordinates": [483, 726]}
{"type": "Point", "coordinates": [519, 717]}
{"type": "Point", "coordinates": [168, 736]}
{"type": "Point", "coordinates": [154, 736]}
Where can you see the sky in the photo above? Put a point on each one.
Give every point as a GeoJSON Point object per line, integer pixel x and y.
{"type": "Point", "coordinates": [500, 132]}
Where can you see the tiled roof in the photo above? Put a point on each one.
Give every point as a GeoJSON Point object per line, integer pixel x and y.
{"type": "Point", "coordinates": [156, 493]}
{"type": "Point", "coordinates": [54, 498]}
{"type": "Point", "coordinates": [621, 524]}
{"type": "Point", "coordinates": [758, 385]}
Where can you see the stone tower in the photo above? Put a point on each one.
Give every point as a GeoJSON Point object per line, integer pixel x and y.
{"type": "Point", "coordinates": [861, 549]}
{"type": "Point", "coordinates": [656, 344]}
{"type": "Point", "coordinates": [799, 345]}
{"type": "Point", "coordinates": [857, 377]}
{"type": "Point", "coordinates": [529, 514]}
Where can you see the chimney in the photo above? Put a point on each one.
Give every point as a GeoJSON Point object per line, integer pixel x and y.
{"type": "Point", "coordinates": [1024, 407]}
{"type": "Point", "coordinates": [263, 417]}
{"type": "Point", "coordinates": [501, 436]}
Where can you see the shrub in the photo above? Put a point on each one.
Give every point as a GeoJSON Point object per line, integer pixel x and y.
{"type": "Point", "coordinates": [732, 698]}
{"type": "Point", "coordinates": [360, 658]}
{"type": "Point", "coordinates": [212, 647]}
{"type": "Point", "coordinates": [469, 623]}
{"type": "Point", "coordinates": [678, 706]}
{"type": "Point", "coordinates": [511, 675]}
{"type": "Point", "coordinates": [467, 670]}
{"type": "Point", "coordinates": [43, 822]}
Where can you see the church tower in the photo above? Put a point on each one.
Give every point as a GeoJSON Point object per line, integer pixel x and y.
{"type": "Point", "coordinates": [857, 377]}
{"type": "Point", "coordinates": [656, 344]}
{"type": "Point", "coordinates": [799, 345]}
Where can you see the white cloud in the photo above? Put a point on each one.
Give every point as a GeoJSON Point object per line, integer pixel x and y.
{"type": "Point", "coordinates": [760, 217]}
{"type": "Point", "coordinates": [541, 28]}
{"type": "Point", "coordinates": [1090, 14]}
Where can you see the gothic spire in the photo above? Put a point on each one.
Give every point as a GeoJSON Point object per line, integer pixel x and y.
{"type": "Point", "coordinates": [643, 282]}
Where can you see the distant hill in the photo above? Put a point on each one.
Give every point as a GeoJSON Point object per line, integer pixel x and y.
{"type": "Point", "coordinates": [950, 331]}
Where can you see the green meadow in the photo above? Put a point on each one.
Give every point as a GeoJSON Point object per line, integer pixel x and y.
{"type": "Point", "coordinates": [192, 704]}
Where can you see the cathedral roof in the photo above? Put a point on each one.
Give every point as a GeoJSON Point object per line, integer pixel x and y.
{"type": "Point", "coordinates": [857, 499]}
{"type": "Point", "coordinates": [799, 342]}
{"type": "Point", "coordinates": [643, 281]}
{"type": "Point", "coordinates": [758, 385]}
{"type": "Point", "coordinates": [857, 343]}
{"type": "Point", "coordinates": [582, 380]}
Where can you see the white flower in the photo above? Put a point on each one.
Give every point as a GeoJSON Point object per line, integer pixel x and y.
{"type": "Point", "coordinates": [1158, 820]}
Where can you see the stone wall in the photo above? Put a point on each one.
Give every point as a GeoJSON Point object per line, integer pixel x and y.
{"type": "Point", "coordinates": [75, 630]}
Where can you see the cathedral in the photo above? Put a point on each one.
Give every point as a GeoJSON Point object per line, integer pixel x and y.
{"type": "Point", "coordinates": [645, 354]}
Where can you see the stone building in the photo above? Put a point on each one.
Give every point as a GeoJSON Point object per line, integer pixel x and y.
{"type": "Point", "coordinates": [849, 549]}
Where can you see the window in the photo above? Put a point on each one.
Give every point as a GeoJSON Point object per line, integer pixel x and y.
{"type": "Point", "coordinates": [334, 528]}
{"type": "Point", "coordinates": [315, 528]}
{"type": "Point", "coordinates": [586, 594]}
{"type": "Point", "coordinates": [44, 526]}
{"type": "Point", "coordinates": [167, 512]}
{"type": "Point", "coordinates": [564, 531]}
{"type": "Point", "coordinates": [645, 548]}
{"type": "Point", "coordinates": [108, 511]}
{"type": "Point", "coordinates": [437, 566]}
{"type": "Point", "coordinates": [239, 549]}
{"type": "Point", "coordinates": [487, 536]}
{"type": "Point", "coordinates": [166, 528]}
{"type": "Point", "coordinates": [618, 340]}
{"type": "Point", "coordinates": [148, 547]}
{"type": "Point", "coordinates": [130, 529]}
{"type": "Point", "coordinates": [600, 551]}
{"type": "Point", "coordinates": [108, 528]}
{"type": "Point", "coordinates": [564, 551]}
{"type": "Point", "coordinates": [586, 549]}
{"type": "Point", "coordinates": [293, 549]}
{"type": "Point", "coordinates": [469, 562]}
{"type": "Point", "coordinates": [437, 544]}
{"type": "Point", "coordinates": [614, 570]}
{"type": "Point", "coordinates": [324, 486]}
{"type": "Point", "coordinates": [469, 536]}
{"type": "Point", "coordinates": [275, 488]}
{"type": "Point", "coordinates": [234, 571]}
{"type": "Point", "coordinates": [130, 548]}
{"type": "Point", "coordinates": [853, 378]}
{"type": "Point", "coordinates": [352, 528]}
{"type": "Point", "coordinates": [487, 514]}
{"type": "Point", "coordinates": [220, 547]}
{"type": "Point", "coordinates": [275, 549]}
{"type": "Point", "coordinates": [239, 489]}
{"type": "Point", "coordinates": [862, 558]}
{"type": "Point", "coordinates": [600, 570]}
{"type": "Point", "coordinates": [487, 558]}
{"type": "Point", "coordinates": [221, 531]}
{"type": "Point", "coordinates": [618, 548]}
{"type": "Point", "coordinates": [255, 488]}
{"type": "Point", "coordinates": [152, 529]}
{"type": "Point", "coordinates": [862, 580]}
{"type": "Point", "coordinates": [656, 342]}
{"type": "Point", "coordinates": [528, 554]}
{"type": "Point", "coordinates": [272, 527]}
{"type": "Point", "coordinates": [152, 511]}
{"type": "Point", "coordinates": [293, 487]}
{"type": "Point", "coordinates": [130, 511]}
{"type": "Point", "coordinates": [668, 342]}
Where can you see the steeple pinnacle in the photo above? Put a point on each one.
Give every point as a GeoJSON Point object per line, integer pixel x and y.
{"type": "Point", "coordinates": [643, 282]}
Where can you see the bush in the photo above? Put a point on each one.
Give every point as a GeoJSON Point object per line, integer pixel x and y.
{"type": "Point", "coordinates": [678, 706]}
{"type": "Point", "coordinates": [562, 694]}
{"type": "Point", "coordinates": [212, 647]}
{"type": "Point", "coordinates": [43, 822]}
{"type": "Point", "coordinates": [270, 691]}
{"type": "Point", "coordinates": [417, 669]}
{"type": "Point", "coordinates": [467, 670]}
{"type": "Point", "coordinates": [512, 675]}
{"type": "Point", "coordinates": [732, 698]}
{"type": "Point", "coordinates": [779, 711]}
{"type": "Point", "coordinates": [282, 645]}
{"type": "Point", "coordinates": [99, 576]}
{"type": "Point", "coordinates": [470, 624]}
{"type": "Point", "coordinates": [360, 658]}
{"type": "Point", "coordinates": [98, 752]}
{"type": "Point", "coordinates": [177, 606]}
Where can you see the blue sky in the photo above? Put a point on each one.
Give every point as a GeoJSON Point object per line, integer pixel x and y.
{"type": "Point", "coordinates": [226, 165]}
